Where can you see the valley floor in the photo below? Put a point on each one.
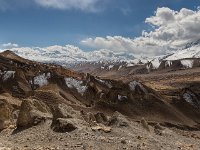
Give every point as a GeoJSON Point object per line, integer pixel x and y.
{"type": "Point", "coordinates": [41, 137]}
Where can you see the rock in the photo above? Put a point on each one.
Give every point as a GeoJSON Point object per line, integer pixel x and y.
{"type": "Point", "coordinates": [15, 114]}
{"type": "Point", "coordinates": [33, 112]}
{"type": "Point", "coordinates": [91, 119]}
{"type": "Point", "coordinates": [139, 137]}
{"type": "Point", "coordinates": [101, 118]}
{"type": "Point", "coordinates": [118, 120]}
{"type": "Point", "coordinates": [123, 141]}
{"type": "Point", "coordinates": [101, 127]}
{"type": "Point", "coordinates": [63, 111]}
{"type": "Point", "coordinates": [159, 127]}
{"type": "Point", "coordinates": [158, 132]}
{"type": "Point", "coordinates": [84, 115]}
{"type": "Point", "coordinates": [5, 115]}
{"type": "Point", "coordinates": [63, 125]}
{"type": "Point", "coordinates": [145, 124]}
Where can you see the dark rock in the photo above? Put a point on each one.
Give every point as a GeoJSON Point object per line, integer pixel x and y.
{"type": "Point", "coordinates": [91, 119]}
{"type": "Point", "coordinates": [63, 111]}
{"type": "Point", "coordinates": [123, 141]}
{"type": "Point", "coordinates": [157, 131]}
{"type": "Point", "coordinates": [145, 124]}
{"type": "Point", "coordinates": [118, 120]}
{"type": "Point", "coordinates": [63, 125]}
{"type": "Point", "coordinates": [101, 118]}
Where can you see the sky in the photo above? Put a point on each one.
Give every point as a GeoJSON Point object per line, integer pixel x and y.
{"type": "Point", "coordinates": [136, 26]}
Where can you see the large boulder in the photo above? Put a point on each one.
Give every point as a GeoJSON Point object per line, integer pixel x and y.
{"type": "Point", "coordinates": [33, 112]}
{"type": "Point", "coordinates": [5, 114]}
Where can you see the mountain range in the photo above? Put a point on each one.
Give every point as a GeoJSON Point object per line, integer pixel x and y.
{"type": "Point", "coordinates": [70, 56]}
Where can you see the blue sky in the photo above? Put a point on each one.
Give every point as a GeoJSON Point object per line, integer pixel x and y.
{"type": "Point", "coordinates": [31, 23]}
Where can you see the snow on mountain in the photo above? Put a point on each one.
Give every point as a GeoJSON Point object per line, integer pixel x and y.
{"type": "Point", "coordinates": [187, 63]}
{"type": "Point", "coordinates": [69, 54]}
{"type": "Point", "coordinates": [7, 75]}
{"type": "Point", "coordinates": [155, 63]}
{"type": "Point", "coordinates": [191, 52]}
{"type": "Point", "coordinates": [42, 80]}
{"type": "Point", "coordinates": [73, 83]}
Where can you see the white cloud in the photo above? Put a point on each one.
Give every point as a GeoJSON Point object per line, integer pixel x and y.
{"type": "Point", "coordinates": [85, 5]}
{"type": "Point", "coordinates": [9, 45]}
{"type": "Point", "coordinates": [140, 45]}
{"type": "Point", "coordinates": [172, 30]}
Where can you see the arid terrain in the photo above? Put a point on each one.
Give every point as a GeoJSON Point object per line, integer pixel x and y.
{"type": "Point", "coordinates": [46, 106]}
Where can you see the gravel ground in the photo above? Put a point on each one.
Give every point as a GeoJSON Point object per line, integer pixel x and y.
{"type": "Point", "coordinates": [134, 136]}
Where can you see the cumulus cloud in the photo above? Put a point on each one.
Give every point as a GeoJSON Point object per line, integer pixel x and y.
{"type": "Point", "coordinates": [177, 27]}
{"type": "Point", "coordinates": [85, 5]}
{"type": "Point", "coordinates": [172, 30]}
{"type": "Point", "coordinates": [122, 44]}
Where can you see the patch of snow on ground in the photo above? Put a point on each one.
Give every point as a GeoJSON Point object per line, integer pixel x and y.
{"type": "Point", "coordinates": [121, 98]}
{"type": "Point", "coordinates": [188, 97]}
{"type": "Point", "coordinates": [187, 63]}
{"type": "Point", "coordinates": [155, 63]}
{"type": "Point", "coordinates": [73, 83]}
{"type": "Point", "coordinates": [168, 63]}
{"type": "Point", "coordinates": [105, 82]}
{"type": "Point", "coordinates": [120, 67]}
{"type": "Point", "coordinates": [110, 67]}
{"type": "Point", "coordinates": [42, 79]}
{"type": "Point", "coordinates": [102, 68]}
{"type": "Point", "coordinates": [101, 95]}
{"type": "Point", "coordinates": [133, 84]}
{"type": "Point", "coordinates": [129, 65]}
{"type": "Point", "coordinates": [148, 67]}
{"type": "Point", "coordinates": [8, 75]}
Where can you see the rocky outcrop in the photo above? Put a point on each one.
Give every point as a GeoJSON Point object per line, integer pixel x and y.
{"type": "Point", "coordinates": [32, 112]}
{"type": "Point", "coordinates": [5, 114]}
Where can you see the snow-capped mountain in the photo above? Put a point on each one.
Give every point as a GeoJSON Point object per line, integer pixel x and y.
{"type": "Point", "coordinates": [71, 56]}
{"type": "Point", "coordinates": [190, 52]}
{"type": "Point", "coordinates": [65, 55]}
{"type": "Point", "coordinates": [187, 57]}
